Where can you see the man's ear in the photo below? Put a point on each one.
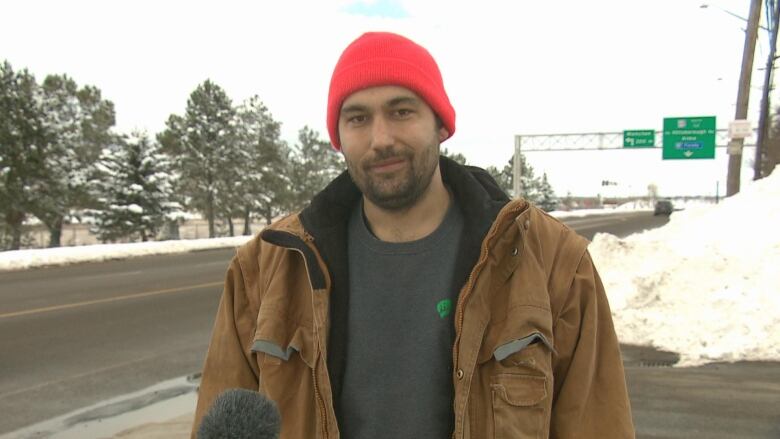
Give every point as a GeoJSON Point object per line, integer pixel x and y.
{"type": "Point", "coordinates": [443, 133]}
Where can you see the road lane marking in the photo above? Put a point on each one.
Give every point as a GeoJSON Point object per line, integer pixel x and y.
{"type": "Point", "coordinates": [208, 264]}
{"type": "Point", "coordinates": [98, 276]}
{"type": "Point", "coordinates": [109, 299]}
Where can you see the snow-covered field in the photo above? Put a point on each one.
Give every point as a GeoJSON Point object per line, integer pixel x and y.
{"type": "Point", "coordinates": [706, 285]}
{"type": "Point", "coordinates": [32, 258]}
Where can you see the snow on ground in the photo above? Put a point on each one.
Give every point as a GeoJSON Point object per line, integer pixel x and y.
{"type": "Point", "coordinates": [706, 285]}
{"type": "Point", "coordinates": [561, 214]}
{"type": "Point", "coordinates": [32, 258]}
{"type": "Point", "coordinates": [631, 206]}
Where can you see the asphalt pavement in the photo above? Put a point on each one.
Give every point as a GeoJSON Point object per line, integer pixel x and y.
{"type": "Point", "coordinates": [715, 401]}
{"type": "Point", "coordinates": [73, 336]}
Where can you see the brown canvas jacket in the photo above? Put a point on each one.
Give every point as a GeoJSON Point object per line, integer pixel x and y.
{"type": "Point", "coordinates": [535, 353]}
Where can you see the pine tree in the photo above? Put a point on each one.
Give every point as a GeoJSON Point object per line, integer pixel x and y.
{"type": "Point", "coordinates": [203, 144]}
{"type": "Point", "coordinates": [77, 123]}
{"type": "Point", "coordinates": [263, 183]}
{"type": "Point", "coordinates": [22, 142]}
{"type": "Point", "coordinates": [531, 185]}
{"type": "Point", "coordinates": [314, 164]}
{"type": "Point", "coordinates": [457, 157]}
{"type": "Point", "coordinates": [533, 188]}
{"type": "Point", "coordinates": [500, 178]}
{"type": "Point", "coordinates": [135, 190]}
{"type": "Point", "coordinates": [547, 201]}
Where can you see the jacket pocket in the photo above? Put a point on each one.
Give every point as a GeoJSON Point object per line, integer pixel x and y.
{"type": "Point", "coordinates": [518, 411]}
{"type": "Point", "coordinates": [514, 388]}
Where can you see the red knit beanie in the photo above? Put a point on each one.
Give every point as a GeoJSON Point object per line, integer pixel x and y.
{"type": "Point", "coordinates": [382, 58]}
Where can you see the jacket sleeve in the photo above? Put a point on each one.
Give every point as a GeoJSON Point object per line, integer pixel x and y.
{"type": "Point", "coordinates": [590, 399]}
{"type": "Point", "coordinates": [229, 362]}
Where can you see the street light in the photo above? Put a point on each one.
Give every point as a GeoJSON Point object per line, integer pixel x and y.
{"type": "Point", "coordinates": [706, 5]}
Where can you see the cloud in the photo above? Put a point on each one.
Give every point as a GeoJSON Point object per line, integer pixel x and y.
{"type": "Point", "coordinates": [378, 8]}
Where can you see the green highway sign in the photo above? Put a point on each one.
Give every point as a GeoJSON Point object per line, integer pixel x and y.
{"type": "Point", "coordinates": [689, 137]}
{"type": "Point", "coordinates": [638, 138]}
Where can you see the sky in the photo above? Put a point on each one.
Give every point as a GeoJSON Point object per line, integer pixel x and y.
{"type": "Point", "coordinates": [510, 68]}
{"type": "Point", "coordinates": [686, 287]}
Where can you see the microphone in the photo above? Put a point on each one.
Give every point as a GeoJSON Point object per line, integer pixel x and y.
{"type": "Point", "coordinates": [241, 414]}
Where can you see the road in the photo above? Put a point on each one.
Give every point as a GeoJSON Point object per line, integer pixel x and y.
{"type": "Point", "coordinates": [619, 224]}
{"type": "Point", "coordinates": [715, 401]}
{"type": "Point", "coordinates": [73, 336]}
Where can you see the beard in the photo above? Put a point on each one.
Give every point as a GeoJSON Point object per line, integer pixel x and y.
{"type": "Point", "coordinates": [399, 190]}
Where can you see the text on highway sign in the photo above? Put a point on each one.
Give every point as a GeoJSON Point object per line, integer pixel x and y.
{"type": "Point", "coordinates": [689, 137]}
{"type": "Point", "coordinates": [638, 138]}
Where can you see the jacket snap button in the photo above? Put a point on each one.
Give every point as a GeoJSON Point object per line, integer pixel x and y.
{"type": "Point", "coordinates": [514, 251]}
{"type": "Point", "coordinates": [527, 224]}
{"type": "Point", "coordinates": [459, 373]}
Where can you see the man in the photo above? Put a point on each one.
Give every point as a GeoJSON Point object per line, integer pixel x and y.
{"type": "Point", "coordinates": [412, 297]}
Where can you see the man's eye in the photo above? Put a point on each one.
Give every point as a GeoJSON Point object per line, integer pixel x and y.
{"type": "Point", "coordinates": [357, 119]}
{"type": "Point", "coordinates": [403, 112]}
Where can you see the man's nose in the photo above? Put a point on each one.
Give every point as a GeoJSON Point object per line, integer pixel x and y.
{"type": "Point", "coordinates": [381, 133]}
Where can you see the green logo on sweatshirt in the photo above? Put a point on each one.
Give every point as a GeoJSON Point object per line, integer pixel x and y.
{"type": "Point", "coordinates": [444, 308]}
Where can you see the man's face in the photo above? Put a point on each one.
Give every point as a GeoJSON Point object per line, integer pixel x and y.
{"type": "Point", "coordinates": [390, 139]}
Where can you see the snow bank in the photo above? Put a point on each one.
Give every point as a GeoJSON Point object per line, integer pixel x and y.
{"type": "Point", "coordinates": [22, 259]}
{"type": "Point", "coordinates": [706, 285]}
{"type": "Point", "coordinates": [634, 206]}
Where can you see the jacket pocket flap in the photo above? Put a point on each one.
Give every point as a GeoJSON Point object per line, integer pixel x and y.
{"type": "Point", "coordinates": [518, 345]}
{"type": "Point", "coordinates": [523, 326]}
{"type": "Point", "coordinates": [520, 390]}
{"type": "Point", "coordinates": [281, 339]}
{"type": "Point", "coordinates": [274, 349]}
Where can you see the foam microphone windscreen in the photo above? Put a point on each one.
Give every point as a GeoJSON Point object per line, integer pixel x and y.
{"type": "Point", "coordinates": [241, 414]}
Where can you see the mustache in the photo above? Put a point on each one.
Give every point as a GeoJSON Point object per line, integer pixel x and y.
{"type": "Point", "coordinates": [382, 155]}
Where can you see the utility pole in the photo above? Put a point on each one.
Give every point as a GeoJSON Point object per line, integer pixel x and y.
{"type": "Point", "coordinates": [517, 185]}
{"type": "Point", "coordinates": [763, 119]}
{"type": "Point", "coordinates": [743, 94]}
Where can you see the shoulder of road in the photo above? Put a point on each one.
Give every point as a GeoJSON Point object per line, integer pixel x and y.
{"type": "Point", "coordinates": [167, 409]}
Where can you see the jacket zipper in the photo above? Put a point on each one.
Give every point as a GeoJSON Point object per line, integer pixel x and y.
{"type": "Point", "coordinates": [317, 395]}
{"type": "Point", "coordinates": [483, 256]}
{"type": "Point", "coordinates": [466, 292]}
{"type": "Point", "coordinates": [321, 404]}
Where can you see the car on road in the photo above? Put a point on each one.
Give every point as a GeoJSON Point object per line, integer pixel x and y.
{"type": "Point", "coordinates": [663, 207]}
